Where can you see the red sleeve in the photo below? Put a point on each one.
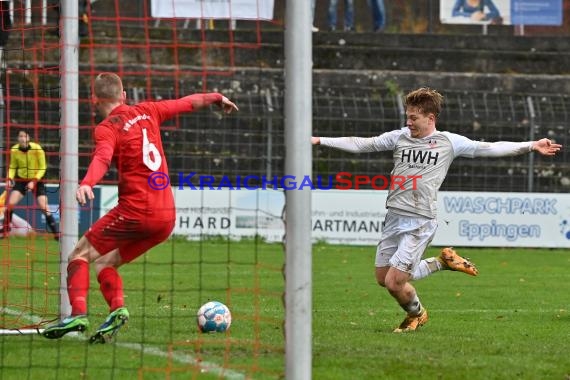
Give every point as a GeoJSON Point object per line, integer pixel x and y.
{"type": "Point", "coordinates": [167, 109]}
{"type": "Point", "coordinates": [105, 141]}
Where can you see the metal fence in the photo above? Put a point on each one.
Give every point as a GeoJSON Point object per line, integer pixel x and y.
{"type": "Point", "coordinates": [481, 116]}
{"type": "Point", "coordinates": [251, 142]}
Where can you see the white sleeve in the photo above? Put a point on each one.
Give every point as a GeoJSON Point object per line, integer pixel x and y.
{"type": "Point", "coordinates": [386, 141]}
{"type": "Point", "coordinates": [502, 148]}
{"type": "Point", "coordinates": [464, 147]}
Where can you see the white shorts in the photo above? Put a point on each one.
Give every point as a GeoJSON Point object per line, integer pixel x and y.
{"type": "Point", "coordinates": [404, 240]}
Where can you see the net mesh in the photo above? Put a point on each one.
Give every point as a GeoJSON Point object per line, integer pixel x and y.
{"type": "Point", "coordinates": [204, 260]}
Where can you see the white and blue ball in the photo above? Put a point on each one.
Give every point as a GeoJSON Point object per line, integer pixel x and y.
{"type": "Point", "coordinates": [214, 316]}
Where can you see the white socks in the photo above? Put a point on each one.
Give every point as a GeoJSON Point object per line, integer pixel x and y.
{"type": "Point", "coordinates": [426, 267]}
{"type": "Point", "coordinates": [414, 307]}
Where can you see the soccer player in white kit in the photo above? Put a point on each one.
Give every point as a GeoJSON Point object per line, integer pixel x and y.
{"type": "Point", "coordinates": [421, 154]}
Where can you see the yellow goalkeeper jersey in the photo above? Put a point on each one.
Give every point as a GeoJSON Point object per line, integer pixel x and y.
{"type": "Point", "coordinates": [30, 164]}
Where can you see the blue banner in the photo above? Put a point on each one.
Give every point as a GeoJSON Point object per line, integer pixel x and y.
{"type": "Point", "coordinates": [536, 12]}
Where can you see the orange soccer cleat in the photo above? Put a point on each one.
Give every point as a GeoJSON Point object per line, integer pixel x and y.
{"type": "Point", "coordinates": [452, 261]}
{"type": "Point", "coordinates": [411, 323]}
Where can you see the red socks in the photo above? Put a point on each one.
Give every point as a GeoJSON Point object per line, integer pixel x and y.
{"type": "Point", "coordinates": [78, 285]}
{"type": "Point", "coordinates": [111, 286]}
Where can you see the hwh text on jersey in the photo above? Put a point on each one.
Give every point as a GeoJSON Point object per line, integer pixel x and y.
{"type": "Point", "coordinates": [419, 156]}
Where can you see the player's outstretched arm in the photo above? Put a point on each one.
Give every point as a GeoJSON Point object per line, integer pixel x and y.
{"type": "Point", "coordinates": [167, 109]}
{"type": "Point", "coordinates": [203, 100]}
{"type": "Point", "coordinates": [383, 142]}
{"type": "Point", "coordinates": [83, 194]}
{"type": "Point", "coordinates": [348, 144]}
{"type": "Point", "coordinates": [546, 147]}
{"type": "Point", "coordinates": [508, 148]}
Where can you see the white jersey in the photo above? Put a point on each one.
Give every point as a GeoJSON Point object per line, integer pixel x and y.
{"type": "Point", "coordinates": [421, 164]}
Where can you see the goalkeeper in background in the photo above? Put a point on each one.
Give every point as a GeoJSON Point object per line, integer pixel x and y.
{"type": "Point", "coordinates": [421, 153]}
{"type": "Point", "coordinates": [26, 171]}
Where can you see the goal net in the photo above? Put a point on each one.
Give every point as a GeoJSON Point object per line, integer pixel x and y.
{"type": "Point", "coordinates": [226, 244]}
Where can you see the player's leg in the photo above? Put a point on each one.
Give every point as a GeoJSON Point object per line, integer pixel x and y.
{"type": "Point", "coordinates": [129, 235]}
{"type": "Point", "coordinates": [92, 246]}
{"type": "Point", "coordinates": [112, 234]}
{"type": "Point", "coordinates": [125, 234]}
{"type": "Point", "coordinates": [391, 268]}
{"type": "Point", "coordinates": [111, 286]}
{"type": "Point", "coordinates": [110, 282]}
{"type": "Point", "coordinates": [82, 255]}
{"type": "Point", "coordinates": [415, 233]}
{"type": "Point", "coordinates": [397, 283]}
{"type": "Point", "coordinates": [448, 259]}
{"type": "Point", "coordinates": [77, 290]}
{"type": "Point", "coordinates": [427, 267]}
{"type": "Point", "coordinates": [43, 205]}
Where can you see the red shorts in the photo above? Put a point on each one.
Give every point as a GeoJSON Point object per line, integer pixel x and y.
{"type": "Point", "coordinates": [131, 236]}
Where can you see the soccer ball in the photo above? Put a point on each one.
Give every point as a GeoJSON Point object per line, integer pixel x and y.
{"type": "Point", "coordinates": [214, 316]}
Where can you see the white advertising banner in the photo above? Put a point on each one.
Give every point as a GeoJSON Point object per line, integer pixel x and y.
{"type": "Point", "coordinates": [348, 216]}
{"type": "Point", "coordinates": [213, 9]}
{"type": "Point", "coordinates": [355, 216]}
{"type": "Point", "coordinates": [226, 213]}
{"type": "Point", "coordinates": [495, 12]}
{"type": "Point", "coordinates": [502, 12]}
{"type": "Point", "coordinates": [503, 219]}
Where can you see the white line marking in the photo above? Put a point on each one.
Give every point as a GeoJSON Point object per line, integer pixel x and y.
{"type": "Point", "coordinates": [205, 367]}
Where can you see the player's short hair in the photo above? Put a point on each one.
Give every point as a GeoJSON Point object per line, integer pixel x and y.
{"type": "Point", "coordinates": [108, 87]}
{"type": "Point", "coordinates": [426, 100]}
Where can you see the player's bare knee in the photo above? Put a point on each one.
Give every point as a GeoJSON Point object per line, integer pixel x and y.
{"type": "Point", "coordinates": [111, 259]}
{"type": "Point", "coordinates": [102, 264]}
{"type": "Point", "coordinates": [83, 251]}
{"type": "Point", "coordinates": [394, 287]}
{"type": "Point", "coordinates": [395, 284]}
{"type": "Point", "coordinates": [79, 253]}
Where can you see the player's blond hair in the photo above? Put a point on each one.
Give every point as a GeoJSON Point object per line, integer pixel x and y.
{"type": "Point", "coordinates": [425, 100]}
{"type": "Point", "coordinates": [108, 87]}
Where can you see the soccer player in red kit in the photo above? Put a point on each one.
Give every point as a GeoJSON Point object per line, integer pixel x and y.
{"type": "Point", "coordinates": [143, 218]}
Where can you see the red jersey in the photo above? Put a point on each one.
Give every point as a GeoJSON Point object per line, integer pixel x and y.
{"type": "Point", "coordinates": [130, 136]}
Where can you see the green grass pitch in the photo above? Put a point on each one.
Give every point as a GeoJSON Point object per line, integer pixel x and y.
{"type": "Point", "coordinates": [510, 322]}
